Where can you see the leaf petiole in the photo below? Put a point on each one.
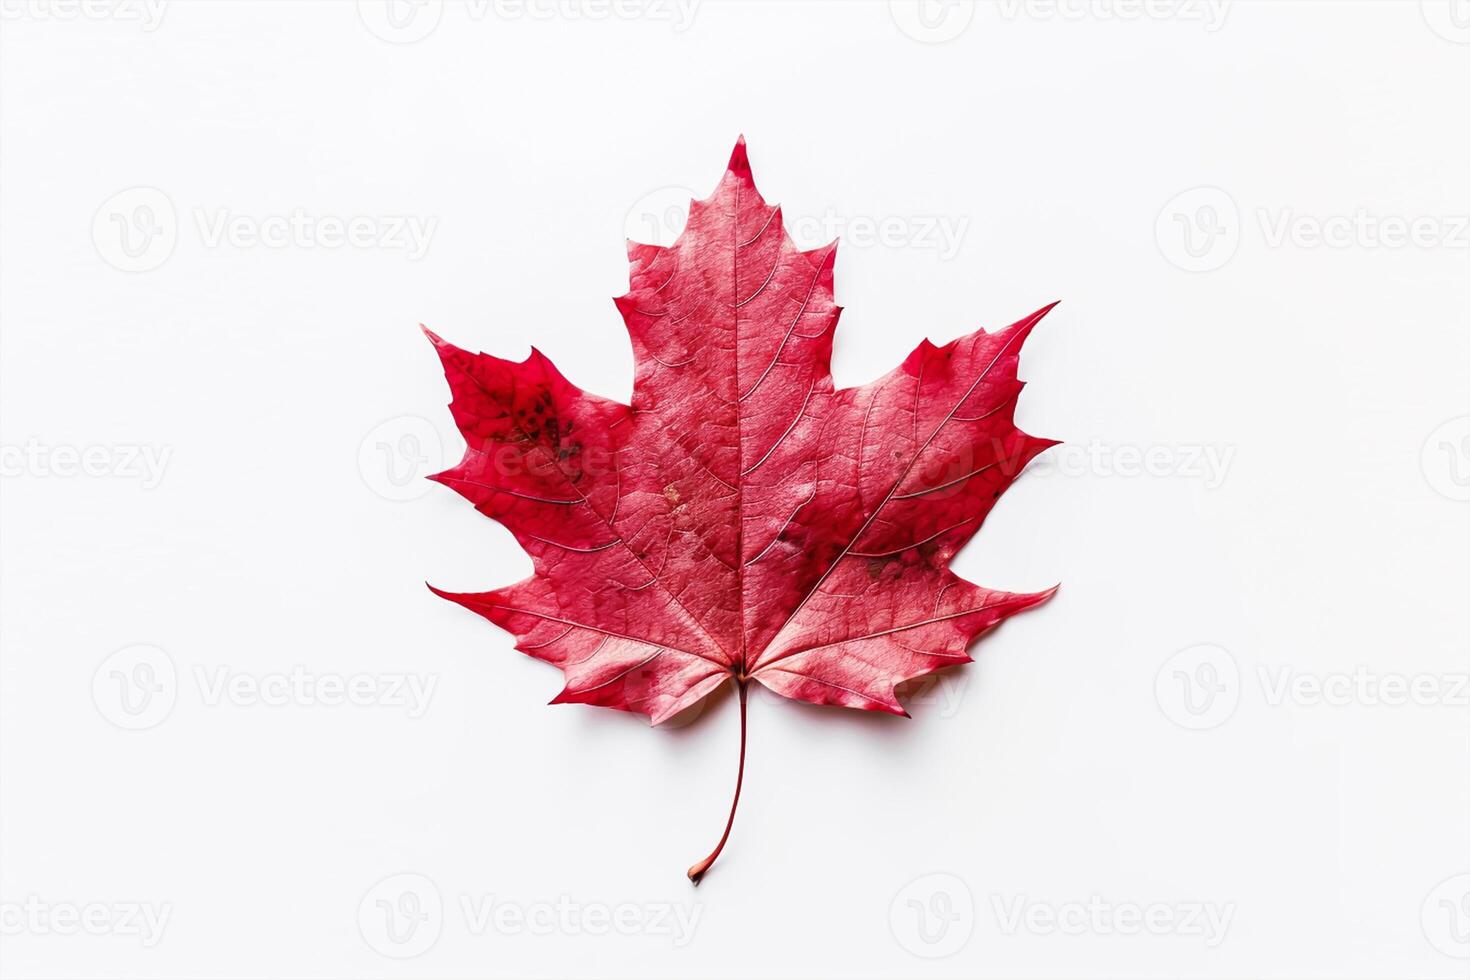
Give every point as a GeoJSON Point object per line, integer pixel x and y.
{"type": "Point", "coordinates": [697, 871]}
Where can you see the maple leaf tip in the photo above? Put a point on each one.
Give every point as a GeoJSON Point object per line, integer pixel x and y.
{"type": "Point", "coordinates": [739, 159]}
{"type": "Point", "coordinates": [447, 351]}
{"type": "Point", "coordinates": [827, 253]}
{"type": "Point", "coordinates": [1024, 326]}
{"type": "Point", "coordinates": [1040, 314]}
{"type": "Point", "coordinates": [1036, 598]}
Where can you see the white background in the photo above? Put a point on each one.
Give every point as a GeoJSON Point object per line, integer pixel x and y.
{"type": "Point", "coordinates": [1072, 764]}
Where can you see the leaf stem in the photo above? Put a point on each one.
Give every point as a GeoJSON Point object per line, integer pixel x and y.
{"type": "Point", "coordinates": [697, 872]}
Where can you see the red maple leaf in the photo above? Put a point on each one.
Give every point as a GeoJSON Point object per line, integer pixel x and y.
{"type": "Point", "coordinates": [743, 519]}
